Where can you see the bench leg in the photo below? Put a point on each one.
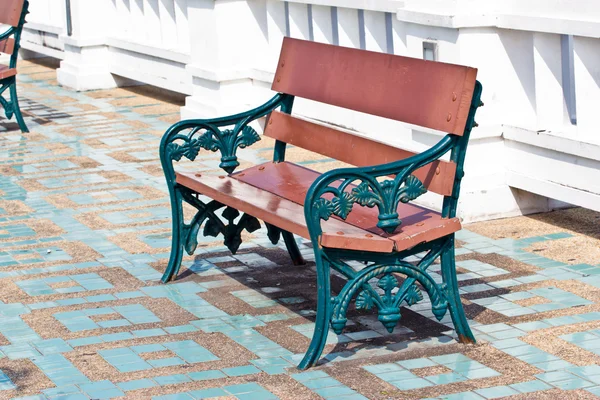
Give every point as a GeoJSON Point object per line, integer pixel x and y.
{"type": "Point", "coordinates": [456, 309]}
{"type": "Point", "coordinates": [177, 237]}
{"type": "Point", "coordinates": [275, 234]}
{"type": "Point", "coordinates": [17, 110]}
{"type": "Point", "coordinates": [319, 338]}
{"type": "Point", "coordinates": [292, 248]}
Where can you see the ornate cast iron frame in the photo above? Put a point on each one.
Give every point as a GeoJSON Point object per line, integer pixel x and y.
{"type": "Point", "coordinates": [11, 107]}
{"type": "Point", "coordinates": [366, 186]}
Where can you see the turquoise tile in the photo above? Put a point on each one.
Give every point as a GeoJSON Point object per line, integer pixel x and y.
{"type": "Point", "coordinates": [334, 391]}
{"type": "Point", "coordinates": [320, 383]}
{"type": "Point", "coordinates": [136, 384]}
{"type": "Point", "coordinates": [572, 384]}
{"type": "Point", "coordinates": [444, 379]}
{"type": "Point", "coordinates": [166, 362]}
{"type": "Point", "coordinates": [206, 375]}
{"type": "Point", "coordinates": [244, 388]}
{"type": "Point", "coordinates": [396, 375]}
{"type": "Point", "coordinates": [264, 395]}
{"type": "Point", "coordinates": [410, 384]}
{"type": "Point", "coordinates": [450, 358]}
{"type": "Point", "coordinates": [171, 379]}
{"type": "Point", "coordinates": [481, 373]}
{"type": "Point", "coordinates": [496, 392]}
{"type": "Point", "coordinates": [530, 386]}
{"type": "Point", "coordinates": [243, 370]}
{"type": "Point", "coordinates": [381, 368]}
{"type": "Point", "coordinates": [309, 375]}
{"type": "Point", "coordinates": [416, 363]}
{"type": "Point", "coordinates": [208, 393]}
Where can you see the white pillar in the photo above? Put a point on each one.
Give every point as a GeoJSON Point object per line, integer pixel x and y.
{"type": "Point", "coordinates": [587, 85]}
{"type": "Point", "coordinates": [86, 62]}
{"type": "Point", "coordinates": [549, 96]}
{"type": "Point", "coordinates": [227, 39]}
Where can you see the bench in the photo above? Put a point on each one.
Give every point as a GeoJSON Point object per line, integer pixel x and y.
{"type": "Point", "coordinates": [359, 213]}
{"type": "Point", "coordinates": [12, 12]}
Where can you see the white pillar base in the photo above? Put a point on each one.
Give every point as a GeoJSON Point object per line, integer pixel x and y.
{"type": "Point", "coordinates": [82, 78]}
{"type": "Point", "coordinates": [221, 94]}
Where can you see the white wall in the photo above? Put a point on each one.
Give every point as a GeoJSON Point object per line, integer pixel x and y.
{"type": "Point", "coordinates": [538, 61]}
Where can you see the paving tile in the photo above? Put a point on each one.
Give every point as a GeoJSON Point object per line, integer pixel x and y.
{"type": "Point", "coordinates": [496, 392]}
{"type": "Point", "coordinates": [95, 170]}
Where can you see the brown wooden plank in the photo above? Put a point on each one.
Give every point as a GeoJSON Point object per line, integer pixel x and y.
{"type": "Point", "coordinates": [278, 211]}
{"type": "Point", "coordinates": [291, 182]}
{"type": "Point", "coordinates": [438, 176]}
{"type": "Point", "coordinates": [425, 231]}
{"type": "Point", "coordinates": [425, 93]}
{"type": "Point", "coordinates": [7, 46]}
{"type": "Point", "coordinates": [10, 11]}
{"type": "Point", "coordinates": [6, 72]}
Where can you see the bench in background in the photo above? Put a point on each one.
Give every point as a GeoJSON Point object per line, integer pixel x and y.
{"type": "Point", "coordinates": [12, 12]}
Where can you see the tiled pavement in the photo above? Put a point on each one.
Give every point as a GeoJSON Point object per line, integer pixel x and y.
{"type": "Point", "coordinates": [84, 236]}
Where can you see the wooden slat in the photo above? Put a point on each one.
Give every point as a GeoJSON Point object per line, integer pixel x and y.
{"type": "Point", "coordinates": [10, 11]}
{"type": "Point", "coordinates": [278, 211]}
{"type": "Point", "coordinates": [7, 46]}
{"type": "Point", "coordinates": [6, 72]}
{"type": "Point", "coordinates": [438, 176]}
{"type": "Point", "coordinates": [291, 182]}
{"type": "Point", "coordinates": [425, 93]}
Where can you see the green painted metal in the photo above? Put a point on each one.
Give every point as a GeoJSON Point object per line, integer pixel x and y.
{"type": "Point", "coordinates": [386, 195]}
{"type": "Point", "coordinates": [184, 140]}
{"type": "Point", "coordinates": [11, 107]}
{"type": "Point", "coordinates": [334, 193]}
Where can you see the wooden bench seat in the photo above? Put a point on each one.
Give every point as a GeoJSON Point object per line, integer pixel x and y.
{"type": "Point", "coordinates": [275, 193]}
{"type": "Point", "coordinates": [362, 212]}
{"type": "Point", "coordinates": [6, 72]}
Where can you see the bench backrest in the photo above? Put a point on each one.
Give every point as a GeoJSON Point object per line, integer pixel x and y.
{"type": "Point", "coordinates": [352, 149]}
{"type": "Point", "coordinates": [7, 46]}
{"type": "Point", "coordinates": [430, 94]}
{"type": "Point", "coordinates": [10, 11]}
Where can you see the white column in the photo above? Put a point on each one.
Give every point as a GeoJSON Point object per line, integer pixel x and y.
{"type": "Point", "coordinates": [549, 97]}
{"type": "Point", "coordinates": [587, 85]}
{"type": "Point", "coordinates": [227, 43]}
{"type": "Point", "coordinates": [86, 62]}
{"type": "Point", "coordinates": [375, 31]}
{"type": "Point", "coordinates": [348, 28]}
{"type": "Point", "coordinates": [322, 24]}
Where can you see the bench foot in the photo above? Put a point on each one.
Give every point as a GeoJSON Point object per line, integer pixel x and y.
{"type": "Point", "coordinates": [12, 107]}
{"type": "Point", "coordinates": [292, 248]}
{"type": "Point", "coordinates": [459, 319]}
{"type": "Point", "coordinates": [185, 236]}
{"type": "Point", "coordinates": [17, 109]}
{"type": "Point", "coordinates": [275, 234]}
{"type": "Point", "coordinates": [319, 338]}
{"type": "Point", "coordinates": [176, 237]}
{"type": "Point", "coordinates": [384, 269]}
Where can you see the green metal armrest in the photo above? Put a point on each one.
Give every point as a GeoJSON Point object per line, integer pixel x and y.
{"type": "Point", "coordinates": [180, 139]}
{"type": "Point", "coordinates": [370, 192]}
{"type": "Point", "coordinates": [185, 139]}
{"type": "Point", "coordinates": [8, 33]}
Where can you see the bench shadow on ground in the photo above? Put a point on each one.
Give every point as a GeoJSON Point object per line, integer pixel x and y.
{"type": "Point", "coordinates": [299, 283]}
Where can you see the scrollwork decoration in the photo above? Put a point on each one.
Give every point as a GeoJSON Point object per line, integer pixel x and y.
{"type": "Point", "coordinates": [385, 196]}
{"type": "Point", "coordinates": [392, 294]}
